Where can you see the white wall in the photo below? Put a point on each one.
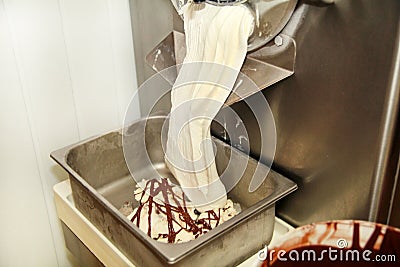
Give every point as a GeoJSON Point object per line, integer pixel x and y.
{"type": "Point", "coordinates": [66, 72]}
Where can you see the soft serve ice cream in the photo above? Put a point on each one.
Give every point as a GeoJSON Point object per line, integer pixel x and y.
{"type": "Point", "coordinates": [216, 45]}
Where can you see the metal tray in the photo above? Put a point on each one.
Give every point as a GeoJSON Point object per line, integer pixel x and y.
{"type": "Point", "coordinates": [101, 182]}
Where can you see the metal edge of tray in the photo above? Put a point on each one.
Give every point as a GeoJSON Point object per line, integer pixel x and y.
{"type": "Point", "coordinates": [284, 186]}
{"type": "Point", "coordinates": [88, 234]}
{"type": "Point", "coordinates": [60, 156]}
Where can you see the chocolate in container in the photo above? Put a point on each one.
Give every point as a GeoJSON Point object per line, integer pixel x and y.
{"type": "Point", "coordinates": [101, 183]}
{"type": "Point", "coordinates": [337, 243]}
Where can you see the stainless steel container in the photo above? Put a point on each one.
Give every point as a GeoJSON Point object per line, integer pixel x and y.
{"type": "Point", "coordinates": [101, 182]}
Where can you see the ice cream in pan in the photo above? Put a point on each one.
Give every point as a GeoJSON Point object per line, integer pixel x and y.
{"type": "Point", "coordinates": [216, 43]}
{"type": "Point", "coordinates": [165, 215]}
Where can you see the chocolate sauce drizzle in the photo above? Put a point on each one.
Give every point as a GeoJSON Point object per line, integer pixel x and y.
{"type": "Point", "coordinates": [172, 210]}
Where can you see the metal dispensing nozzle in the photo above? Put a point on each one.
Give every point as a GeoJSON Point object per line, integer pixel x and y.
{"type": "Point", "coordinates": [213, 2]}
{"type": "Point", "coordinates": [221, 2]}
{"type": "Point", "coordinates": [270, 16]}
{"type": "Point", "coordinates": [225, 2]}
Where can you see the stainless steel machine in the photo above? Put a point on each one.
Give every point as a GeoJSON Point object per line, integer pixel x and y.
{"type": "Point", "coordinates": [335, 107]}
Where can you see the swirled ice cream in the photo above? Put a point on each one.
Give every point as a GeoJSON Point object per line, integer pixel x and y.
{"type": "Point", "coordinates": [216, 45]}
{"type": "Point", "coordinates": [165, 214]}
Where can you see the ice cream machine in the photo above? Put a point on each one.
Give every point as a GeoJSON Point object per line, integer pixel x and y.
{"type": "Point", "coordinates": [330, 72]}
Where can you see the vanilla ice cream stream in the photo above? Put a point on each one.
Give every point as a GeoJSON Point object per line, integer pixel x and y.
{"type": "Point", "coordinates": [216, 44]}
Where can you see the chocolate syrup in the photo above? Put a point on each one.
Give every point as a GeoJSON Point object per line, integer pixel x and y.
{"type": "Point", "coordinates": [390, 245]}
{"type": "Point", "coordinates": [178, 208]}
